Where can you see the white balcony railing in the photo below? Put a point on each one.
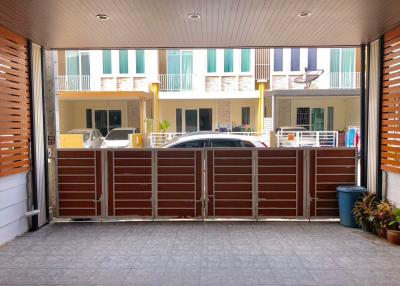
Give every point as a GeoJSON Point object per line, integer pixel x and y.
{"type": "Point", "coordinates": [333, 80]}
{"type": "Point", "coordinates": [307, 139]}
{"type": "Point", "coordinates": [207, 83]}
{"type": "Point", "coordinates": [102, 83]}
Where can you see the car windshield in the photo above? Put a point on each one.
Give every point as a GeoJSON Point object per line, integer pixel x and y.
{"type": "Point", "coordinates": [119, 134]}
{"type": "Point", "coordinates": [86, 134]}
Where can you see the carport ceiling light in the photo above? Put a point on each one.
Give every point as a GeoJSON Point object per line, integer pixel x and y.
{"type": "Point", "coordinates": [194, 16]}
{"type": "Point", "coordinates": [304, 14]}
{"type": "Point", "coordinates": [102, 17]}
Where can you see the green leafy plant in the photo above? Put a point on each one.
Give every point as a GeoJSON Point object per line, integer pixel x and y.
{"type": "Point", "coordinates": [164, 126]}
{"type": "Point", "coordinates": [395, 223]}
{"type": "Point", "coordinates": [382, 215]}
{"type": "Point", "coordinates": [362, 210]}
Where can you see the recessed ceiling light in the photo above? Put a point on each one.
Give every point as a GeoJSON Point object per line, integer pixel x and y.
{"type": "Point", "coordinates": [304, 14]}
{"type": "Point", "coordinates": [102, 17]}
{"type": "Point", "coordinates": [194, 16]}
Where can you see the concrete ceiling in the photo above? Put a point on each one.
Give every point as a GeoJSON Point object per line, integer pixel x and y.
{"type": "Point", "coordinates": [223, 23]}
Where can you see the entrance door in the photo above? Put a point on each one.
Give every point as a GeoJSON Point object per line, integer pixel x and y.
{"type": "Point", "coordinates": [100, 121]}
{"type": "Point", "coordinates": [205, 119]}
{"type": "Point", "coordinates": [106, 120]}
{"type": "Point", "coordinates": [191, 120]}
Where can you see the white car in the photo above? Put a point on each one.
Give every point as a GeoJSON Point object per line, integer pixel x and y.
{"type": "Point", "coordinates": [91, 137]}
{"type": "Point", "coordinates": [118, 138]}
{"type": "Point", "coordinates": [209, 139]}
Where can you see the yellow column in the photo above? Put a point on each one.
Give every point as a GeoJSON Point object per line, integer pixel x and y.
{"type": "Point", "coordinates": [261, 88]}
{"type": "Point", "coordinates": [142, 115]}
{"type": "Point", "coordinates": [155, 87]}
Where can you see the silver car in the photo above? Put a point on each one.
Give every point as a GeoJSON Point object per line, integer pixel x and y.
{"type": "Point", "coordinates": [91, 137]}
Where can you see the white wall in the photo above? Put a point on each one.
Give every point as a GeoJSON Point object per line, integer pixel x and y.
{"type": "Point", "coordinates": [13, 205]}
{"type": "Point", "coordinates": [392, 188]}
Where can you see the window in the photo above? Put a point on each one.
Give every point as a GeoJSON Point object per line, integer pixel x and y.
{"type": "Point", "coordinates": [211, 60]}
{"type": "Point", "coordinates": [228, 60]}
{"type": "Point", "coordinates": [312, 59]}
{"type": "Point", "coordinates": [123, 61]}
{"type": "Point", "coordinates": [105, 120]}
{"type": "Point", "coordinates": [303, 117]}
{"type": "Point", "coordinates": [245, 60]}
{"type": "Point", "coordinates": [226, 143]}
{"type": "Point", "coordinates": [180, 69]}
{"type": "Point", "coordinates": [178, 120]}
{"type": "Point", "coordinates": [295, 59]}
{"type": "Point", "coordinates": [191, 120]}
{"type": "Point", "coordinates": [191, 144]}
{"type": "Point", "coordinates": [317, 119]}
{"type": "Point", "coordinates": [247, 144]}
{"type": "Point", "coordinates": [73, 67]}
{"type": "Point", "coordinates": [278, 59]}
{"type": "Point", "coordinates": [245, 115]}
{"type": "Point", "coordinates": [140, 66]}
{"type": "Point", "coordinates": [89, 118]}
{"type": "Point", "coordinates": [205, 119]}
{"type": "Point", "coordinates": [330, 118]}
{"type": "Point", "coordinates": [311, 118]}
{"type": "Point", "coordinates": [342, 67]}
{"type": "Point", "coordinates": [107, 62]}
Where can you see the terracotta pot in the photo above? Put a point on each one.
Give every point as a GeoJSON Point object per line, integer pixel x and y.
{"type": "Point", "coordinates": [393, 236]}
{"type": "Point", "coordinates": [381, 231]}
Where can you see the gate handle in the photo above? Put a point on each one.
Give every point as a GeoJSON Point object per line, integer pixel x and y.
{"type": "Point", "coordinates": [99, 200]}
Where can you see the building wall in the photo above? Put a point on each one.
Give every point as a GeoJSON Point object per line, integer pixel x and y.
{"type": "Point", "coordinates": [346, 110]}
{"type": "Point", "coordinates": [392, 188]}
{"type": "Point", "coordinates": [78, 110]}
{"type": "Point", "coordinates": [13, 206]}
{"type": "Point", "coordinates": [168, 110]}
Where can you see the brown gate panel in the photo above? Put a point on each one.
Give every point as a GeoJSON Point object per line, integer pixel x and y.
{"type": "Point", "coordinates": [230, 183]}
{"type": "Point", "coordinates": [130, 183]}
{"type": "Point", "coordinates": [179, 183]}
{"type": "Point", "coordinates": [280, 183]}
{"type": "Point", "coordinates": [330, 168]}
{"type": "Point", "coordinates": [79, 183]}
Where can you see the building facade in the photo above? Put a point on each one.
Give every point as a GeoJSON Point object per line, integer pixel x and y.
{"type": "Point", "coordinates": [209, 89]}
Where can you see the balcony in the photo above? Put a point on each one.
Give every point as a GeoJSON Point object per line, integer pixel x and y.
{"type": "Point", "coordinates": [335, 80]}
{"type": "Point", "coordinates": [102, 83]}
{"type": "Point", "coordinates": [207, 83]}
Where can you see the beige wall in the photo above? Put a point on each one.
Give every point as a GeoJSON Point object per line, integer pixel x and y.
{"type": "Point", "coordinates": [168, 110]}
{"type": "Point", "coordinates": [346, 110]}
{"type": "Point", "coordinates": [73, 113]}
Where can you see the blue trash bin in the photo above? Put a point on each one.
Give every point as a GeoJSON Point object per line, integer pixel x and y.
{"type": "Point", "coordinates": [347, 196]}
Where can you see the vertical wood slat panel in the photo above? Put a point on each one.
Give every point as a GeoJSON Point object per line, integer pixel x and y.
{"type": "Point", "coordinates": [390, 131]}
{"type": "Point", "coordinates": [15, 131]}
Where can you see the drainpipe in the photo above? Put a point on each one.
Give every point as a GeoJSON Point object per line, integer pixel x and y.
{"type": "Point", "coordinates": [155, 88]}
{"type": "Point", "coordinates": [261, 87]}
{"type": "Point", "coordinates": [379, 149]}
{"type": "Point", "coordinates": [364, 121]}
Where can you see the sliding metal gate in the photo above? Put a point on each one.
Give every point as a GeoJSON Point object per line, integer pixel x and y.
{"type": "Point", "coordinates": [197, 183]}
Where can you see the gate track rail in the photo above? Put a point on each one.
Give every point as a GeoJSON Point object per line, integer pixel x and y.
{"type": "Point", "coordinates": [249, 183]}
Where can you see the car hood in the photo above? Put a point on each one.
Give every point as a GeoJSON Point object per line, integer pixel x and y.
{"type": "Point", "coordinates": [115, 143]}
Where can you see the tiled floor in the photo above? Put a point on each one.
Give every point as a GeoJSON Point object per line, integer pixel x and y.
{"type": "Point", "coordinates": [199, 253]}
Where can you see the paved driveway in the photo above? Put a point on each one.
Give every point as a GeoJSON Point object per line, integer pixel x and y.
{"type": "Point", "coordinates": [199, 253]}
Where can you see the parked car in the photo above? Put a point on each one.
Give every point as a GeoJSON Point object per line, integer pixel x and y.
{"type": "Point", "coordinates": [118, 138]}
{"type": "Point", "coordinates": [91, 137]}
{"type": "Point", "coordinates": [209, 139]}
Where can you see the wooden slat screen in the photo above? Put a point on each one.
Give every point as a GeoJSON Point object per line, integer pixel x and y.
{"type": "Point", "coordinates": [15, 115]}
{"type": "Point", "coordinates": [390, 123]}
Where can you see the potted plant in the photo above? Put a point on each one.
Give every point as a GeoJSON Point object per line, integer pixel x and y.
{"type": "Point", "coordinates": [381, 216]}
{"type": "Point", "coordinates": [164, 126]}
{"type": "Point", "coordinates": [362, 211]}
{"type": "Point", "coordinates": [393, 232]}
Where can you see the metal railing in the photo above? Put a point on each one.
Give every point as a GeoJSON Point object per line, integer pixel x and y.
{"type": "Point", "coordinates": [307, 138]}
{"type": "Point", "coordinates": [176, 82]}
{"type": "Point", "coordinates": [73, 83]}
{"type": "Point", "coordinates": [333, 80]}
{"type": "Point", "coordinates": [102, 83]}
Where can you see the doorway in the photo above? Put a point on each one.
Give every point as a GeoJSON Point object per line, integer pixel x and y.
{"type": "Point", "coordinates": [106, 120]}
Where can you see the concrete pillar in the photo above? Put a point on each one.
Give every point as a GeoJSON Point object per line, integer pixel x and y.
{"type": "Point", "coordinates": [155, 88]}
{"type": "Point", "coordinates": [262, 85]}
